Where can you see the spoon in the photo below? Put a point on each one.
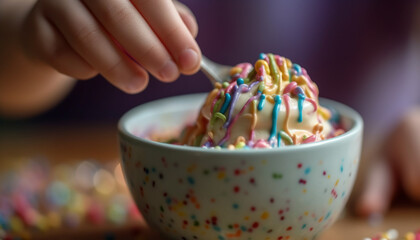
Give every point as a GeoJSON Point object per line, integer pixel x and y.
{"type": "Point", "coordinates": [217, 73]}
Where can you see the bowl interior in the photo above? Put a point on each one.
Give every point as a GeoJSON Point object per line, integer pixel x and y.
{"type": "Point", "coordinates": [167, 117]}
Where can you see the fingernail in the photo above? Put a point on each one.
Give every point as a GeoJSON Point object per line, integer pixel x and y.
{"type": "Point", "coordinates": [188, 59]}
{"type": "Point", "coordinates": [169, 71]}
{"type": "Point", "coordinates": [135, 85]}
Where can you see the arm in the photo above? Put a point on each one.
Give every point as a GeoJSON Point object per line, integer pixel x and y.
{"type": "Point", "coordinates": [397, 169]}
{"type": "Point", "coordinates": [27, 86]}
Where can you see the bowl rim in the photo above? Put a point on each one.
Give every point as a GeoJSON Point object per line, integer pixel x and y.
{"type": "Point", "coordinates": [124, 133]}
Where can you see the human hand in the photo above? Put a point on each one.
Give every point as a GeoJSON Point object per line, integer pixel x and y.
{"type": "Point", "coordinates": [399, 169]}
{"type": "Point", "coordinates": [122, 40]}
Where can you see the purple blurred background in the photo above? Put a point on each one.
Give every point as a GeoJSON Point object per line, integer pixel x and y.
{"type": "Point", "coordinates": [361, 53]}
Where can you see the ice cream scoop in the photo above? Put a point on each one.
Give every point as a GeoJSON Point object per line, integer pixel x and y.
{"type": "Point", "coordinates": [269, 104]}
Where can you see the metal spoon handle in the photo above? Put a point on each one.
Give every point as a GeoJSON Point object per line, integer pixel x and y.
{"type": "Point", "coordinates": [216, 73]}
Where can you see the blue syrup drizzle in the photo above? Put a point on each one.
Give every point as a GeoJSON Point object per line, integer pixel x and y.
{"type": "Point", "coordinates": [261, 103]}
{"type": "Point", "coordinates": [301, 98]}
{"type": "Point", "coordinates": [297, 68]}
{"type": "Point", "coordinates": [226, 103]}
{"type": "Point", "coordinates": [276, 108]}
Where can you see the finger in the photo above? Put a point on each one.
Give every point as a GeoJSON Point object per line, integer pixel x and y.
{"type": "Point", "coordinates": [86, 36]}
{"type": "Point", "coordinates": [379, 190]}
{"type": "Point", "coordinates": [187, 17]}
{"type": "Point", "coordinates": [43, 41]}
{"type": "Point", "coordinates": [406, 149]}
{"type": "Point", "coordinates": [135, 36]}
{"type": "Point", "coordinates": [172, 32]}
{"type": "Point", "coordinates": [411, 181]}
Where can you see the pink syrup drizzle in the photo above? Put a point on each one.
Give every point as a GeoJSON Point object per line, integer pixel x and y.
{"type": "Point", "coordinates": [310, 139]}
{"type": "Point", "coordinates": [290, 87]}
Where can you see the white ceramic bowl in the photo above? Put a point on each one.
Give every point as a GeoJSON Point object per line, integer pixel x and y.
{"type": "Point", "coordinates": [293, 192]}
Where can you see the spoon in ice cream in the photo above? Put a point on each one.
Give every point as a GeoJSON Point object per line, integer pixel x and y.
{"type": "Point", "coordinates": [217, 73]}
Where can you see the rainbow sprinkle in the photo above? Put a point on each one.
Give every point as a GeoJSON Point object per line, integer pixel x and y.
{"type": "Point", "coordinates": [392, 234]}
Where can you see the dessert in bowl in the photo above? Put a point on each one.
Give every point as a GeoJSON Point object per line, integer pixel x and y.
{"type": "Point", "coordinates": [286, 191]}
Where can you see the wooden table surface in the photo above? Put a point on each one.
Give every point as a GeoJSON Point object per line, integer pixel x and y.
{"type": "Point", "coordinates": [67, 143]}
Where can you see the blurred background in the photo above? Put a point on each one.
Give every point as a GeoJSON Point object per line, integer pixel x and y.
{"type": "Point", "coordinates": [362, 53]}
{"type": "Point", "coordinates": [359, 53]}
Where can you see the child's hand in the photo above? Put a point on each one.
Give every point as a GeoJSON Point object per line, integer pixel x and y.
{"type": "Point", "coordinates": [400, 168]}
{"type": "Point", "coordinates": [81, 38]}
